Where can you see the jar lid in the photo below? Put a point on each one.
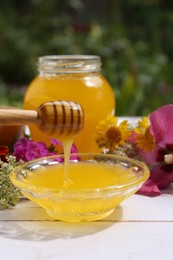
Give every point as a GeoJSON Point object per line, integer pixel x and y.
{"type": "Point", "coordinates": [69, 63]}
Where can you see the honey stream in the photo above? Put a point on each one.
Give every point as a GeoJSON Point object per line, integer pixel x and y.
{"type": "Point", "coordinates": [67, 144]}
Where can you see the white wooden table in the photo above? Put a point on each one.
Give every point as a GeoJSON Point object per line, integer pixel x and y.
{"type": "Point", "coordinates": [140, 228]}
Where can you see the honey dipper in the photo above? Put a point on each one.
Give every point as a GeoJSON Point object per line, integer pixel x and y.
{"type": "Point", "coordinates": [60, 117]}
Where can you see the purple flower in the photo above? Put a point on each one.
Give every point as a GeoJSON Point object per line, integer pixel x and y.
{"type": "Point", "coordinates": [74, 149]}
{"type": "Point", "coordinates": [27, 150]}
{"type": "Point", "coordinates": [58, 148]}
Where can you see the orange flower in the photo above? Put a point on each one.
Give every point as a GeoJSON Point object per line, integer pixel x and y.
{"type": "Point", "coordinates": [109, 134]}
{"type": "Point", "coordinates": [144, 139]}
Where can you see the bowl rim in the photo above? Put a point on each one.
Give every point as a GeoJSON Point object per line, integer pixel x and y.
{"type": "Point", "coordinates": [144, 174]}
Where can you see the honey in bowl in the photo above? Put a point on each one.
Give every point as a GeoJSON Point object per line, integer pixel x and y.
{"type": "Point", "coordinates": [98, 184]}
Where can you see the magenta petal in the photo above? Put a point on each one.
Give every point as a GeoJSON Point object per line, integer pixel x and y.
{"type": "Point", "coordinates": [162, 178]}
{"type": "Point", "coordinates": [149, 157]}
{"type": "Point", "coordinates": [162, 124]}
{"type": "Point", "coordinates": [55, 141]}
{"type": "Point", "coordinates": [73, 149]}
{"type": "Point", "coordinates": [149, 188]}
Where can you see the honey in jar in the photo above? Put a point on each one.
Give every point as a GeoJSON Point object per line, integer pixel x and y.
{"type": "Point", "coordinates": [77, 78]}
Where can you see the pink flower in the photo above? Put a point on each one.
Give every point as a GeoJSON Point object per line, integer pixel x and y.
{"type": "Point", "coordinates": [58, 144]}
{"type": "Point", "coordinates": [161, 174]}
{"type": "Point", "coordinates": [59, 148]}
{"type": "Point", "coordinates": [27, 150]}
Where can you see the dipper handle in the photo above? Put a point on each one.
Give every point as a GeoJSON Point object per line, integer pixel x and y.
{"type": "Point", "coordinates": [54, 117]}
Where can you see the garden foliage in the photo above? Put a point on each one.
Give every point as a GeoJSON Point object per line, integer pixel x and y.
{"type": "Point", "coordinates": [133, 37]}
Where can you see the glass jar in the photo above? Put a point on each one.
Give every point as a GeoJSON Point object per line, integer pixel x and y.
{"type": "Point", "coordinates": [76, 78]}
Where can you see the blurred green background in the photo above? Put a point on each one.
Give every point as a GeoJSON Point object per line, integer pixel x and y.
{"type": "Point", "coordinates": [133, 37]}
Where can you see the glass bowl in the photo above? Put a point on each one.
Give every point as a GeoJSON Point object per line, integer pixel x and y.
{"type": "Point", "coordinates": [96, 184]}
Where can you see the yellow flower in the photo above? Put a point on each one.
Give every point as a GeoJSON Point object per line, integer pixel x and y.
{"type": "Point", "coordinates": [144, 139]}
{"type": "Point", "coordinates": [109, 135]}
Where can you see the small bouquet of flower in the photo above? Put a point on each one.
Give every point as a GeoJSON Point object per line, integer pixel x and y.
{"type": "Point", "coordinates": [23, 150]}
{"type": "Point", "coordinates": [151, 141]}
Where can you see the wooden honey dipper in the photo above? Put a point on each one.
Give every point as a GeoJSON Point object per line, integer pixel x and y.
{"type": "Point", "coordinates": [54, 117]}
